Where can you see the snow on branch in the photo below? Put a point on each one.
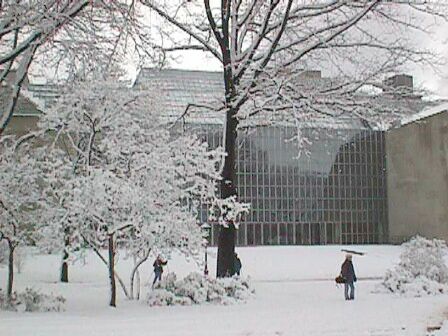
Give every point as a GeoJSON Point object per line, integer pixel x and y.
{"type": "Point", "coordinates": [228, 211]}
{"type": "Point", "coordinates": [268, 44]}
{"type": "Point", "coordinates": [67, 38]}
{"type": "Point", "coordinates": [129, 176]}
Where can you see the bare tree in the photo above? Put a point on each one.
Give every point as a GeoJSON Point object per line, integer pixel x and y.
{"type": "Point", "coordinates": [264, 46]}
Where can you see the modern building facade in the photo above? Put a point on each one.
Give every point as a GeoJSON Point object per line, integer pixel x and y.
{"type": "Point", "coordinates": [350, 185]}
{"type": "Point", "coordinates": [334, 193]}
{"type": "Point", "coordinates": [331, 192]}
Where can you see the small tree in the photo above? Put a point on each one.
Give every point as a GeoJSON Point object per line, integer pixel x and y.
{"type": "Point", "coordinates": [56, 232]}
{"type": "Point", "coordinates": [132, 182]}
{"type": "Point", "coordinates": [20, 198]}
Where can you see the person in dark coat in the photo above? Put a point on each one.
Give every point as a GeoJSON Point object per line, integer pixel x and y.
{"type": "Point", "coordinates": [348, 273]}
{"type": "Point", "coordinates": [237, 264]}
{"type": "Point", "coordinates": [158, 268]}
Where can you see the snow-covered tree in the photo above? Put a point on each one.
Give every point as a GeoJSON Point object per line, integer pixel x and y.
{"type": "Point", "coordinates": [132, 183]}
{"type": "Point", "coordinates": [64, 36]}
{"type": "Point", "coordinates": [55, 229]}
{"type": "Point", "coordinates": [265, 47]}
{"type": "Point", "coordinates": [20, 199]}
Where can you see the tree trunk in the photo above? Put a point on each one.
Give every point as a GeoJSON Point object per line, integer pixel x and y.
{"type": "Point", "coordinates": [226, 251]}
{"type": "Point", "coordinates": [64, 267]}
{"type": "Point", "coordinates": [134, 273]}
{"type": "Point", "coordinates": [226, 240]}
{"type": "Point", "coordinates": [10, 270]}
{"type": "Point", "coordinates": [137, 294]}
{"type": "Point", "coordinates": [98, 253]}
{"type": "Point", "coordinates": [113, 290]}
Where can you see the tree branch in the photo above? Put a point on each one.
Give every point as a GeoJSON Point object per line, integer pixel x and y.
{"type": "Point", "coordinates": [183, 28]}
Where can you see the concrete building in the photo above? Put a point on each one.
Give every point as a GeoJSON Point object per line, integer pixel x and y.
{"type": "Point", "coordinates": [417, 176]}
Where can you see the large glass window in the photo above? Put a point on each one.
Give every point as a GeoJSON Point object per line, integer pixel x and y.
{"type": "Point", "coordinates": [333, 192]}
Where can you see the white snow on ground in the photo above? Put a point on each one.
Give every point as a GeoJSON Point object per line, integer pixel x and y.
{"type": "Point", "coordinates": [296, 295]}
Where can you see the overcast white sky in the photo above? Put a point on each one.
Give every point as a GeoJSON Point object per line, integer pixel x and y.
{"type": "Point", "coordinates": [435, 80]}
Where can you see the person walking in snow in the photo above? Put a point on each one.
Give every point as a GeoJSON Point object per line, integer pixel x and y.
{"type": "Point", "coordinates": [348, 273]}
{"type": "Point", "coordinates": [237, 264]}
{"type": "Point", "coordinates": [158, 268]}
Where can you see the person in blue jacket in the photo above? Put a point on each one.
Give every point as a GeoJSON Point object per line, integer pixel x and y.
{"type": "Point", "coordinates": [158, 268]}
{"type": "Point", "coordinates": [348, 273]}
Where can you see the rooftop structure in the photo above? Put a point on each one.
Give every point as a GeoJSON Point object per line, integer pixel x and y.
{"type": "Point", "coordinates": [202, 92]}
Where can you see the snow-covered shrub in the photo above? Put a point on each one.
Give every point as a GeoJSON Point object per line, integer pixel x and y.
{"type": "Point", "coordinates": [197, 289]}
{"type": "Point", "coordinates": [236, 288]}
{"type": "Point", "coordinates": [162, 297]}
{"type": "Point", "coordinates": [4, 303]}
{"type": "Point", "coordinates": [32, 300]}
{"type": "Point", "coordinates": [194, 287]}
{"type": "Point", "coordinates": [421, 270]}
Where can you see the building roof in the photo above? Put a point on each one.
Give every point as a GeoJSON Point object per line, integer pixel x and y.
{"type": "Point", "coordinates": [425, 113]}
{"type": "Point", "coordinates": [205, 90]}
{"type": "Point", "coordinates": [24, 107]}
{"type": "Point", "coordinates": [33, 99]}
{"type": "Point", "coordinates": [203, 93]}
{"type": "Point", "coordinates": [176, 89]}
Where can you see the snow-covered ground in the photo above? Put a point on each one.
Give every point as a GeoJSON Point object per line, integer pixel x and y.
{"type": "Point", "coordinates": [295, 295]}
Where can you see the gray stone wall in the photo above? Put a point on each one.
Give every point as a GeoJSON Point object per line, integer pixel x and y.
{"type": "Point", "coordinates": [417, 179]}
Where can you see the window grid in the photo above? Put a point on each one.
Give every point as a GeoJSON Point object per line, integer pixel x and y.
{"type": "Point", "coordinates": [335, 195]}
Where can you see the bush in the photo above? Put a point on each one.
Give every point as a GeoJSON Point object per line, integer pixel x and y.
{"type": "Point", "coordinates": [32, 301]}
{"type": "Point", "coordinates": [197, 289]}
{"type": "Point", "coordinates": [5, 304]}
{"type": "Point", "coordinates": [421, 270]}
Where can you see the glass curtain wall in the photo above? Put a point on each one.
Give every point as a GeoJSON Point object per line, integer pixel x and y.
{"type": "Point", "coordinates": [331, 192]}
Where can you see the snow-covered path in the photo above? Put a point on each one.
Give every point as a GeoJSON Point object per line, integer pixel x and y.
{"type": "Point", "coordinates": [281, 306]}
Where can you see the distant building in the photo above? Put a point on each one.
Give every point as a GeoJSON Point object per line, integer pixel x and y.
{"type": "Point", "coordinates": [26, 112]}
{"type": "Point", "coordinates": [336, 193]}
{"type": "Point", "coordinates": [345, 188]}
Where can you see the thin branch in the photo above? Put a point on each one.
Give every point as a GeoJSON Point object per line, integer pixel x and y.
{"type": "Point", "coordinates": [183, 28]}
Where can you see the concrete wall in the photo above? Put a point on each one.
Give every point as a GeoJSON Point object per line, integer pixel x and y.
{"type": "Point", "coordinates": [21, 125]}
{"type": "Point", "coordinates": [417, 181]}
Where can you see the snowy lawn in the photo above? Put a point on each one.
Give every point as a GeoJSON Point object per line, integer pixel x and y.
{"type": "Point", "coordinates": [295, 295]}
